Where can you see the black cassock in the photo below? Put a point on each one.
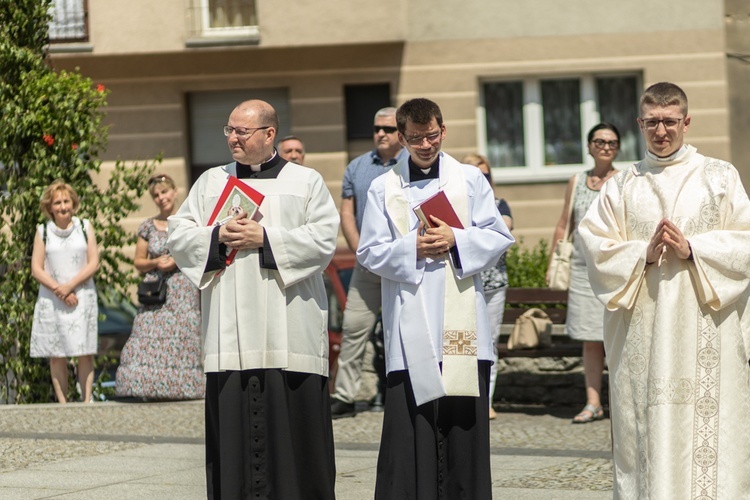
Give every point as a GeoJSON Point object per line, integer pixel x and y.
{"type": "Point", "coordinates": [436, 451]}
{"type": "Point", "coordinates": [269, 436]}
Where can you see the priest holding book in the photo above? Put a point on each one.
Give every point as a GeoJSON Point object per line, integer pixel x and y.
{"type": "Point", "coordinates": [264, 309]}
{"type": "Point", "coordinates": [435, 441]}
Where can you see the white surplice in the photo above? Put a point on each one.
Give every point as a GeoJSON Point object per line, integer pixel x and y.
{"type": "Point", "coordinates": [676, 332]}
{"type": "Point", "coordinates": [413, 290]}
{"type": "Point", "coordinates": [255, 317]}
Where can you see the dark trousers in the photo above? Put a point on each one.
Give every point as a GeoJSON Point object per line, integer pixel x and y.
{"type": "Point", "coordinates": [269, 436]}
{"type": "Point", "coordinates": [439, 450]}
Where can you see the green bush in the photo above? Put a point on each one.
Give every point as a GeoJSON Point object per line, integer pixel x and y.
{"type": "Point", "coordinates": [527, 267]}
{"type": "Point", "coordinates": [50, 127]}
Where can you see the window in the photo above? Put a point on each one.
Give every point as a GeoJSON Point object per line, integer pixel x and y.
{"type": "Point", "coordinates": [505, 143]}
{"type": "Point", "coordinates": [228, 17]}
{"type": "Point", "coordinates": [69, 21]}
{"type": "Point", "coordinates": [362, 102]}
{"type": "Point", "coordinates": [209, 112]}
{"type": "Point", "coordinates": [618, 104]}
{"type": "Point", "coordinates": [221, 22]}
{"type": "Point", "coordinates": [536, 128]}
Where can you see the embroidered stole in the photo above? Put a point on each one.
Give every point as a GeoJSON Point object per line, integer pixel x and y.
{"type": "Point", "coordinates": [459, 375]}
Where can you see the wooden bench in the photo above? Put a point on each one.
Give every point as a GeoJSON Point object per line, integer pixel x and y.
{"type": "Point", "coordinates": [554, 303]}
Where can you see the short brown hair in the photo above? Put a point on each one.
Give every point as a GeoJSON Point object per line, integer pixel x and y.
{"type": "Point", "coordinates": [420, 111]}
{"type": "Point", "coordinates": [48, 197]}
{"type": "Point", "coordinates": [664, 94]}
{"type": "Point", "coordinates": [157, 179]}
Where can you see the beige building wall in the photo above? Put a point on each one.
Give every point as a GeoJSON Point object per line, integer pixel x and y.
{"type": "Point", "coordinates": [145, 53]}
{"type": "Point", "coordinates": [449, 72]}
{"type": "Point", "coordinates": [737, 22]}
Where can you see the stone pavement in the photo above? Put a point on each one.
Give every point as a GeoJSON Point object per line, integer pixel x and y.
{"type": "Point", "coordinates": [118, 450]}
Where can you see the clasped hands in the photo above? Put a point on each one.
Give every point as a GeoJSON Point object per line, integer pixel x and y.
{"type": "Point", "coordinates": [165, 263]}
{"type": "Point", "coordinates": [667, 235]}
{"type": "Point", "coordinates": [66, 294]}
{"type": "Point", "coordinates": [241, 233]}
{"type": "Point", "coordinates": [435, 241]}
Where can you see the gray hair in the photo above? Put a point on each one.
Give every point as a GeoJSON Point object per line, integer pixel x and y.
{"type": "Point", "coordinates": [389, 111]}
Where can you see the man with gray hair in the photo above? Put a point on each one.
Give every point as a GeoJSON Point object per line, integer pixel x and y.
{"type": "Point", "coordinates": [363, 299]}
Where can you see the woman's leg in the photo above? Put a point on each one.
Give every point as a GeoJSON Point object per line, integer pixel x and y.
{"type": "Point", "coordinates": [86, 376]}
{"type": "Point", "coordinates": [593, 367]}
{"type": "Point", "coordinates": [58, 367]}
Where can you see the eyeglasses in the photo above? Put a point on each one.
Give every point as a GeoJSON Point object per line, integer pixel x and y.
{"type": "Point", "coordinates": [653, 124]}
{"type": "Point", "coordinates": [600, 143]}
{"type": "Point", "coordinates": [386, 129]}
{"type": "Point", "coordinates": [242, 131]}
{"type": "Point", "coordinates": [418, 140]}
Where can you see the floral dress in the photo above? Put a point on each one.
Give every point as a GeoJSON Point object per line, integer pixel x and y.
{"type": "Point", "coordinates": [162, 358]}
{"type": "Point", "coordinates": [60, 330]}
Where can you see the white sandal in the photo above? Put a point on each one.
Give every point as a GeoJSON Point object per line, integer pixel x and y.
{"type": "Point", "coordinates": [583, 417]}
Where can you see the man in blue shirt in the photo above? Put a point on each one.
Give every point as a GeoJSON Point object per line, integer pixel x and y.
{"type": "Point", "coordinates": [363, 299]}
{"type": "Point", "coordinates": [292, 149]}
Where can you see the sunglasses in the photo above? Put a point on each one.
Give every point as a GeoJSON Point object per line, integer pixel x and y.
{"type": "Point", "coordinates": [388, 130]}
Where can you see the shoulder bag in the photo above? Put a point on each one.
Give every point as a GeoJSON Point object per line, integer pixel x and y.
{"type": "Point", "coordinates": [560, 264]}
{"type": "Point", "coordinates": [532, 329]}
{"type": "Point", "coordinates": [152, 291]}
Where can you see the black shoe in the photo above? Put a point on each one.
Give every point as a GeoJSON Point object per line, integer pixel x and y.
{"type": "Point", "coordinates": [376, 403]}
{"type": "Point", "coordinates": [340, 409]}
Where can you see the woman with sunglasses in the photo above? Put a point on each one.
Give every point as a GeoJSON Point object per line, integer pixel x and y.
{"type": "Point", "coordinates": [162, 358]}
{"type": "Point", "coordinates": [585, 313]}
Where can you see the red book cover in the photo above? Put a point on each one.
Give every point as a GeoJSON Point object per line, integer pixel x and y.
{"type": "Point", "coordinates": [438, 206]}
{"type": "Point", "coordinates": [237, 197]}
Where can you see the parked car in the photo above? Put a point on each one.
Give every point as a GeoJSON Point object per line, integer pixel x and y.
{"type": "Point", "coordinates": [115, 324]}
{"type": "Point", "coordinates": [337, 276]}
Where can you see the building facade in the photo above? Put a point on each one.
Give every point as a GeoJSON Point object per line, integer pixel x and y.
{"type": "Point", "coordinates": [521, 82]}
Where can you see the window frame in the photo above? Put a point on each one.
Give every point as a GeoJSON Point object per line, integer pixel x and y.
{"type": "Point", "coordinates": [535, 171]}
{"type": "Point", "coordinates": [207, 31]}
{"type": "Point", "coordinates": [83, 38]}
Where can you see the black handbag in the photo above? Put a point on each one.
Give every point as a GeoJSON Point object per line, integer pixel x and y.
{"type": "Point", "coordinates": [153, 292]}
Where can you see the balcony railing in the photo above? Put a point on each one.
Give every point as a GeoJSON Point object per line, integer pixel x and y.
{"type": "Point", "coordinates": [69, 21]}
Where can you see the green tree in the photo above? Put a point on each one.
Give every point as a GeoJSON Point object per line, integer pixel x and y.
{"type": "Point", "coordinates": [50, 127]}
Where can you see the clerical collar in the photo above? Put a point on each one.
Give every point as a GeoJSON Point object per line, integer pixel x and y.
{"type": "Point", "coordinates": [419, 174]}
{"type": "Point", "coordinates": [266, 170]}
{"type": "Point", "coordinates": [669, 158]}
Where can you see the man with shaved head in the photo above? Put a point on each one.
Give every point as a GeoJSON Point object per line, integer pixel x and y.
{"type": "Point", "coordinates": [268, 421]}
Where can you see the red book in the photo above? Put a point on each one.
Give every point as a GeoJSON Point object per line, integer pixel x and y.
{"type": "Point", "coordinates": [236, 198]}
{"type": "Point", "coordinates": [438, 206]}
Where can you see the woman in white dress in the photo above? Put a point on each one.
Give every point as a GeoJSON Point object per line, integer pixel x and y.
{"type": "Point", "coordinates": [64, 260]}
{"type": "Point", "coordinates": [585, 320]}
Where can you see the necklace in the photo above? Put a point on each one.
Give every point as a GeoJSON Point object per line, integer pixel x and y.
{"type": "Point", "coordinates": [595, 184]}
